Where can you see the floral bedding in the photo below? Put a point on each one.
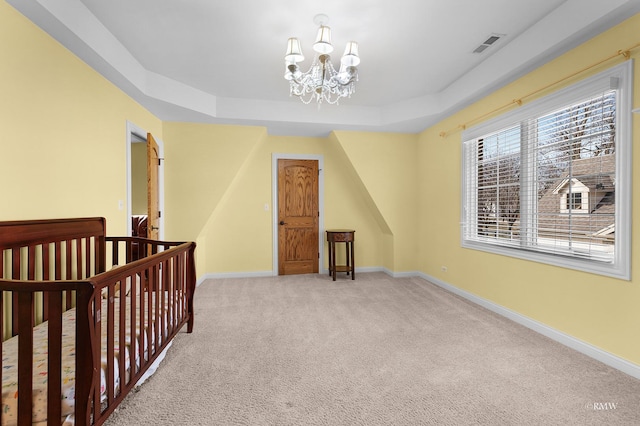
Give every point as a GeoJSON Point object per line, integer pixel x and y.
{"type": "Point", "coordinates": [10, 370]}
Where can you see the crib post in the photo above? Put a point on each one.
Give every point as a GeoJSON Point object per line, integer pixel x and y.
{"type": "Point", "coordinates": [191, 285]}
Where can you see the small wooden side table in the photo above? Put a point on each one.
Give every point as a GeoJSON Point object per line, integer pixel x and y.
{"type": "Point", "coordinates": [341, 236]}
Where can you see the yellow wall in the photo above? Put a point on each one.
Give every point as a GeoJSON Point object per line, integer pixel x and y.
{"type": "Point", "coordinates": [602, 311]}
{"type": "Point", "coordinates": [219, 179]}
{"type": "Point", "coordinates": [62, 130]}
{"type": "Point", "coordinates": [388, 176]}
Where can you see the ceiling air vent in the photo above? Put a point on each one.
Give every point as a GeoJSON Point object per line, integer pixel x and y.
{"type": "Point", "coordinates": [488, 42]}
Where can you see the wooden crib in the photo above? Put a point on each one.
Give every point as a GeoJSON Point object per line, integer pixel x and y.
{"type": "Point", "coordinates": [82, 318]}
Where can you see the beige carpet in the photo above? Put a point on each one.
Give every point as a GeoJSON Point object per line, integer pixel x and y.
{"type": "Point", "coordinates": [304, 350]}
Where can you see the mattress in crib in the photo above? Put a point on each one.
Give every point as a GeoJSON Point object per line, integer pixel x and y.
{"type": "Point", "coordinates": [40, 335]}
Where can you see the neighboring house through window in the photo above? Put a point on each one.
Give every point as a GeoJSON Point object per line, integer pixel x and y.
{"type": "Point", "coordinates": [551, 180]}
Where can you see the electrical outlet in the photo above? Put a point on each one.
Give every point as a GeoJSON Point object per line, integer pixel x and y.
{"type": "Point", "coordinates": [266, 207]}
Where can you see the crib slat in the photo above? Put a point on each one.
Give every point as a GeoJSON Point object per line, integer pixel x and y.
{"type": "Point", "coordinates": [184, 289]}
{"type": "Point", "coordinates": [165, 315]}
{"type": "Point", "coordinates": [132, 332]}
{"type": "Point", "coordinates": [149, 311]}
{"type": "Point", "coordinates": [100, 253]}
{"type": "Point", "coordinates": [155, 322]}
{"type": "Point", "coordinates": [114, 253]}
{"type": "Point", "coordinates": [87, 256]}
{"type": "Point", "coordinates": [68, 271]}
{"type": "Point", "coordinates": [172, 299]}
{"type": "Point", "coordinates": [54, 376]}
{"type": "Point", "coordinates": [110, 346]}
{"type": "Point", "coordinates": [45, 277]}
{"type": "Point", "coordinates": [25, 358]}
{"type": "Point", "coordinates": [58, 260]}
{"type": "Point", "coordinates": [15, 274]}
{"type": "Point", "coordinates": [142, 335]}
{"type": "Point", "coordinates": [67, 258]}
{"type": "Point", "coordinates": [128, 251]}
{"type": "Point", "coordinates": [31, 262]}
{"type": "Point", "coordinates": [179, 305]}
{"type": "Point", "coordinates": [122, 333]}
{"type": "Point", "coordinates": [167, 285]}
{"type": "Point", "coordinates": [79, 266]}
{"type": "Point", "coordinates": [178, 302]}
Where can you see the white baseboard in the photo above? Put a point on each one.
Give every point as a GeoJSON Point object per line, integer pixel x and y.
{"type": "Point", "coordinates": [560, 337]}
{"type": "Point", "coordinates": [272, 274]}
{"type": "Point", "coordinates": [358, 270]}
{"type": "Point", "coordinates": [405, 274]}
{"type": "Point", "coordinates": [256, 274]}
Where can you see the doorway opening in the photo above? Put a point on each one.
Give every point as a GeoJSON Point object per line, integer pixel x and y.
{"type": "Point", "coordinates": [137, 180]}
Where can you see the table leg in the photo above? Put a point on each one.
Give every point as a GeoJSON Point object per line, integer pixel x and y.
{"type": "Point", "coordinates": [347, 254]}
{"type": "Point", "coordinates": [330, 251]}
{"type": "Point", "coordinates": [333, 260]}
{"type": "Point", "coordinates": [353, 263]}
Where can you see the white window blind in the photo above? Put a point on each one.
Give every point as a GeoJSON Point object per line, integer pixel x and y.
{"type": "Point", "coordinates": [546, 183]}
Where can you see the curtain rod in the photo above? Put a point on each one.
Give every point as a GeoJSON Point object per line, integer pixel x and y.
{"type": "Point", "coordinates": [626, 53]}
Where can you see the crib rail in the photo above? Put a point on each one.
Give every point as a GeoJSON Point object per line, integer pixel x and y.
{"type": "Point", "coordinates": [25, 233]}
{"type": "Point", "coordinates": [54, 249]}
{"type": "Point", "coordinates": [130, 249]}
{"type": "Point", "coordinates": [160, 291]}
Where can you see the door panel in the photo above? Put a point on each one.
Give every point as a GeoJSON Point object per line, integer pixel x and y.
{"type": "Point", "coordinates": [298, 217]}
{"type": "Point", "coordinates": [153, 203]}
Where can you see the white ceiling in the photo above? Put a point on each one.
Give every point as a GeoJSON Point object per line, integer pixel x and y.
{"type": "Point", "coordinates": [223, 61]}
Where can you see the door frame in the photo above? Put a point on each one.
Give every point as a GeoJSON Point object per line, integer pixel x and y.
{"type": "Point", "coordinates": [274, 203]}
{"type": "Point", "coordinates": [136, 134]}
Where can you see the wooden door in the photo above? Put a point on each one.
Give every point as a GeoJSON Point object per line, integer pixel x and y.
{"type": "Point", "coordinates": [298, 214]}
{"type": "Point", "coordinates": [153, 202]}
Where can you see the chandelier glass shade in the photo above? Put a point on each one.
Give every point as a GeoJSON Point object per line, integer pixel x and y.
{"type": "Point", "coordinates": [322, 82]}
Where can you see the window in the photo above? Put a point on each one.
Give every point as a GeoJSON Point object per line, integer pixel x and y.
{"type": "Point", "coordinates": [574, 201]}
{"type": "Point", "coordinates": [550, 181]}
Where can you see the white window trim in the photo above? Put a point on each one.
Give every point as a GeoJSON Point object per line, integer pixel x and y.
{"type": "Point", "coordinates": [622, 77]}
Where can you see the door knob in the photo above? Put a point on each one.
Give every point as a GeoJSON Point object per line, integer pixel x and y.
{"type": "Point", "coordinates": [282, 222]}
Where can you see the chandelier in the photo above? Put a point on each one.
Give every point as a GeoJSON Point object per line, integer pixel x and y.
{"type": "Point", "coordinates": [321, 82]}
